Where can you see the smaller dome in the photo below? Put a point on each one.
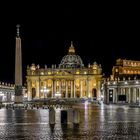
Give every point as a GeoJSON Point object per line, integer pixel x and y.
{"type": "Point", "coordinates": [95, 63]}
{"type": "Point", "coordinates": [33, 67]}
{"type": "Point", "coordinates": [71, 61]}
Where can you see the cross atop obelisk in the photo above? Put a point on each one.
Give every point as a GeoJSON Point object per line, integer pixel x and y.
{"type": "Point", "coordinates": [18, 68]}
{"type": "Point", "coordinates": [18, 30]}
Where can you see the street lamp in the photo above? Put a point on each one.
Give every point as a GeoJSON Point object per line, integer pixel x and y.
{"type": "Point", "coordinates": [57, 95]}
{"type": "Point", "coordinates": [44, 91]}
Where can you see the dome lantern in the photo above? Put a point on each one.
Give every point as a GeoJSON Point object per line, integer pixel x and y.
{"type": "Point", "coordinates": [71, 49]}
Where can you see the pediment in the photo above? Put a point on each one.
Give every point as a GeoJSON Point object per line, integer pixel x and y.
{"type": "Point", "coordinates": [63, 73]}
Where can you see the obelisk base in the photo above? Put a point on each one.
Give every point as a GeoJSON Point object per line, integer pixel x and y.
{"type": "Point", "coordinates": [18, 94]}
{"type": "Point", "coordinates": [18, 99]}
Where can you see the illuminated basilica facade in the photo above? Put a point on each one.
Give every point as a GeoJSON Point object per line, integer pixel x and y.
{"type": "Point", "coordinates": [70, 79]}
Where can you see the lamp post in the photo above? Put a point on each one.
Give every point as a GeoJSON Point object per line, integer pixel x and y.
{"type": "Point", "coordinates": [57, 95]}
{"type": "Point", "coordinates": [44, 91]}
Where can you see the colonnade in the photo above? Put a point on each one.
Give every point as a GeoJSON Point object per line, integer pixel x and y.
{"type": "Point", "coordinates": [6, 96]}
{"type": "Point", "coordinates": [131, 93]}
{"type": "Point", "coordinates": [66, 88]}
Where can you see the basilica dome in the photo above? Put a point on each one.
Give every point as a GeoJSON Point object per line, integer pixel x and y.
{"type": "Point", "coordinates": [71, 60]}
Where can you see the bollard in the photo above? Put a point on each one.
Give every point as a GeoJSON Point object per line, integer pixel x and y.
{"type": "Point", "coordinates": [51, 115]}
{"type": "Point", "coordinates": [70, 116]}
{"type": "Point", "coordinates": [76, 116]}
{"type": "Point", "coordinates": [26, 107]}
{"type": "Point", "coordinates": [64, 116]}
{"type": "Point", "coordinates": [52, 127]}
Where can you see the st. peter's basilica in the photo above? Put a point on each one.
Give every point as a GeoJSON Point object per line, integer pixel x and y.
{"type": "Point", "coordinates": [70, 79]}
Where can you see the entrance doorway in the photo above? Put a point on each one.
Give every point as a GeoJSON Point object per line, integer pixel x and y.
{"type": "Point", "coordinates": [77, 94]}
{"type": "Point", "coordinates": [122, 98]}
{"type": "Point", "coordinates": [94, 93]}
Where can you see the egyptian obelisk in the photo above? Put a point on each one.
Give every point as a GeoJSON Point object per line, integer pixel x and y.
{"type": "Point", "coordinates": [18, 69]}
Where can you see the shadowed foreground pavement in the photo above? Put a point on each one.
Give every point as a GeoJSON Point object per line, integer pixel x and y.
{"type": "Point", "coordinates": [96, 122]}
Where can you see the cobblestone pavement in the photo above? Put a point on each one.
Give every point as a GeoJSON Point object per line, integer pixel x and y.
{"type": "Point", "coordinates": [96, 123]}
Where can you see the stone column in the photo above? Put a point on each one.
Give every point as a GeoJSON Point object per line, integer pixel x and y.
{"type": "Point", "coordinates": [41, 87]}
{"type": "Point", "coordinates": [52, 88]}
{"type": "Point", "coordinates": [88, 94]}
{"type": "Point", "coordinates": [71, 89]}
{"type": "Point", "coordinates": [37, 89]}
{"type": "Point", "coordinates": [136, 95]}
{"type": "Point", "coordinates": [98, 89]}
{"type": "Point", "coordinates": [117, 95]}
{"type": "Point", "coordinates": [135, 92]}
{"type": "Point", "coordinates": [70, 116]}
{"type": "Point", "coordinates": [107, 95]}
{"type": "Point", "coordinates": [66, 89]}
{"type": "Point", "coordinates": [118, 90]}
{"type": "Point", "coordinates": [60, 87]}
{"type": "Point", "coordinates": [81, 88]}
{"type": "Point", "coordinates": [139, 95]}
{"type": "Point", "coordinates": [121, 89]}
{"type": "Point", "coordinates": [51, 115]}
{"type": "Point", "coordinates": [74, 88]}
{"type": "Point", "coordinates": [29, 90]}
{"type": "Point", "coordinates": [126, 93]}
{"type": "Point", "coordinates": [76, 116]}
{"type": "Point", "coordinates": [114, 93]}
{"type": "Point", "coordinates": [129, 95]}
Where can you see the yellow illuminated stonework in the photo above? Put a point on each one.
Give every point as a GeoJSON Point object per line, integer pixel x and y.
{"type": "Point", "coordinates": [69, 79]}
{"type": "Point", "coordinates": [126, 67]}
{"type": "Point", "coordinates": [77, 72]}
{"type": "Point", "coordinates": [49, 73]}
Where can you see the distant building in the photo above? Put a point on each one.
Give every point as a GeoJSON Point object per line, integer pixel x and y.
{"type": "Point", "coordinates": [124, 84]}
{"type": "Point", "coordinates": [126, 68]}
{"type": "Point", "coordinates": [7, 92]}
{"type": "Point", "coordinates": [70, 79]}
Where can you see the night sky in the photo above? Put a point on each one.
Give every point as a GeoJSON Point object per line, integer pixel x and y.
{"type": "Point", "coordinates": [101, 33]}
